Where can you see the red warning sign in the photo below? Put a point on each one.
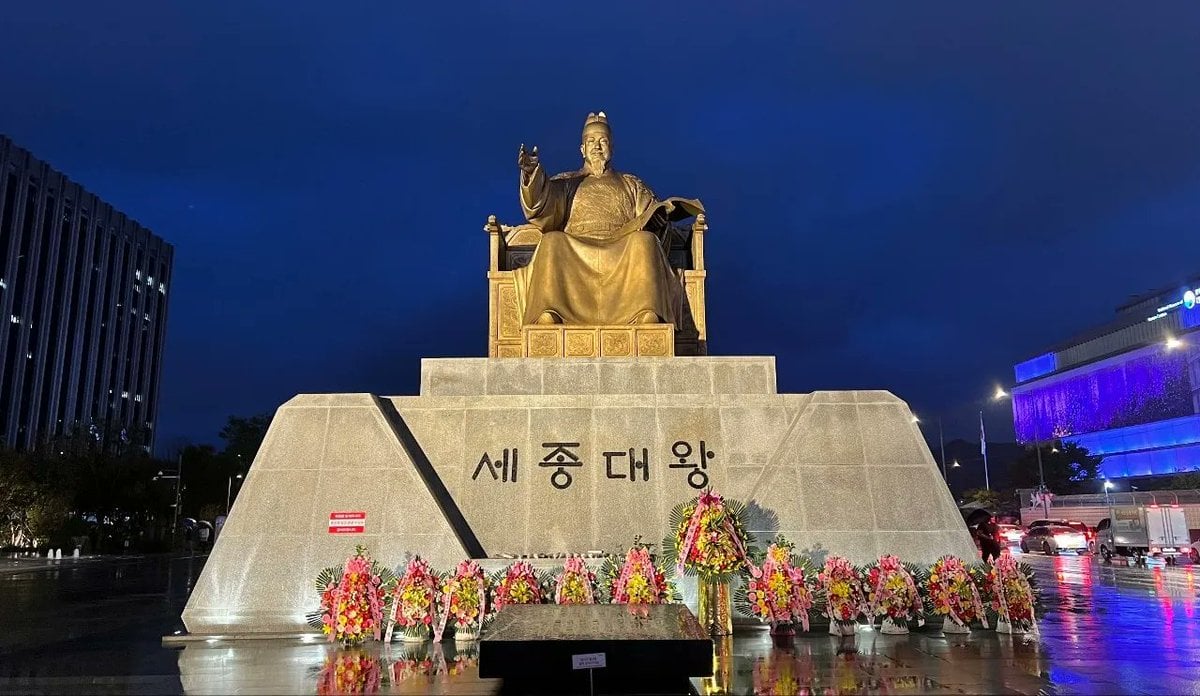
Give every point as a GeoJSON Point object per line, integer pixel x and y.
{"type": "Point", "coordinates": [347, 522]}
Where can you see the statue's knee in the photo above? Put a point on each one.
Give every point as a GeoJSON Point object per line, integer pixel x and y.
{"type": "Point", "coordinates": [646, 239]}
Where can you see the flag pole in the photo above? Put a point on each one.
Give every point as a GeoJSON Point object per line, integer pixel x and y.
{"type": "Point", "coordinates": [987, 483]}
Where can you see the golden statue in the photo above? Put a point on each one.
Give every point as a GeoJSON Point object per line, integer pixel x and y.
{"type": "Point", "coordinates": [600, 259]}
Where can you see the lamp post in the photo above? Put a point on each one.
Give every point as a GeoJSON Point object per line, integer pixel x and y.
{"type": "Point", "coordinates": [1108, 485]}
{"type": "Point", "coordinates": [229, 492]}
{"type": "Point", "coordinates": [178, 476]}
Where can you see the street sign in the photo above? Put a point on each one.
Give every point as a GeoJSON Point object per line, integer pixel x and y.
{"type": "Point", "coordinates": [347, 522]}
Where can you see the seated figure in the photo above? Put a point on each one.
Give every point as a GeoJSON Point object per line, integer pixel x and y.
{"type": "Point", "coordinates": [600, 259]}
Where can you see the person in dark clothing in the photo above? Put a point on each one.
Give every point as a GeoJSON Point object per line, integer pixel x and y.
{"type": "Point", "coordinates": [986, 534]}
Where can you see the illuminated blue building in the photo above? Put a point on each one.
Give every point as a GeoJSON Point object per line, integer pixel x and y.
{"type": "Point", "coordinates": [1128, 390]}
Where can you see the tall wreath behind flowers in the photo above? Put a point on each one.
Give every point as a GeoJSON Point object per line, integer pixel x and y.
{"type": "Point", "coordinates": [1010, 594]}
{"type": "Point", "coordinates": [780, 590]}
{"type": "Point", "coordinates": [950, 590]}
{"type": "Point", "coordinates": [708, 537]}
{"type": "Point", "coordinates": [412, 602]}
{"type": "Point", "coordinates": [464, 600]}
{"type": "Point", "coordinates": [352, 599]}
{"type": "Point", "coordinates": [517, 584]}
{"type": "Point", "coordinates": [841, 585]}
{"type": "Point", "coordinates": [574, 583]}
{"type": "Point", "coordinates": [636, 579]}
{"type": "Point", "coordinates": [891, 590]}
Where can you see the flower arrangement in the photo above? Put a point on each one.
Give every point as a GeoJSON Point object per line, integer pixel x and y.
{"type": "Point", "coordinates": [637, 580]}
{"type": "Point", "coordinates": [951, 592]}
{"type": "Point", "coordinates": [352, 599]}
{"type": "Point", "coordinates": [349, 673]}
{"type": "Point", "coordinates": [892, 594]}
{"type": "Point", "coordinates": [517, 584]}
{"type": "Point", "coordinates": [412, 606]}
{"type": "Point", "coordinates": [463, 602]}
{"type": "Point", "coordinates": [780, 591]}
{"type": "Point", "coordinates": [842, 586]}
{"type": "Point", "coordinates": [575, 583]}
{"type": "Point", "coordinates": [1010, 595]}
{"type": "Point", "coordinates": [708, 537]}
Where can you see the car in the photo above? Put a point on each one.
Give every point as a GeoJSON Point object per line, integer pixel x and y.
{"type": "Point", "coordinates": [1053, 539]}
{"type": "Point", "coordinates": [1009, 534]}
{"type": "Point", "coordinates": [1089, 533]}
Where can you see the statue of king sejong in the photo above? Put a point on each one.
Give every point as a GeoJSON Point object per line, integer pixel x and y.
{"type": "Point", "coordinates": [602, 257]}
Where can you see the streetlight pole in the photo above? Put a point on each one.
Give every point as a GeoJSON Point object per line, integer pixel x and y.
{"type": "Point", "coordinates": [942, 444]}
{"type": "Point", "coordinates": [229, 493]}
{"type": "Point", "coordinates": [178, 480]}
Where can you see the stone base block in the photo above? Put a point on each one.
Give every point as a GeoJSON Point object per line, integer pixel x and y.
{"type": "Point", "coordinates": [565, 456]}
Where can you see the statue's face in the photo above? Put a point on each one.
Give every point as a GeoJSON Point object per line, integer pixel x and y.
{"type": "Point", "coordinates": [597, 145]}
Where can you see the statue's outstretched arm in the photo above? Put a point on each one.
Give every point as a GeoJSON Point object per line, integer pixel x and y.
{"type": "Point", "coordinates": [535, 192]}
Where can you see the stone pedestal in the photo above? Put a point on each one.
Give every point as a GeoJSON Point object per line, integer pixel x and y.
{"type": "Point", "coordinates": [559, 455]}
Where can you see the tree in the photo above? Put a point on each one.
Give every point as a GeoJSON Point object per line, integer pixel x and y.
{"type": "Point", "coordinates": [1069, 470]}
{"type": "Point", "coordinates": [243, 437]}
{"type": "Point", "coordinates": [983, 496]}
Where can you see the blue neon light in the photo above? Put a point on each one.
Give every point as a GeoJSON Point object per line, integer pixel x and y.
{"type": "Point", "coordinates": [1189, 319]}
{"type": "Point", "coordinates": [1175, 460]}
{"type": "Point", "coordinates": [1161, 434]}
{"type": "Point", "coordinates": [1144, 386]}
{"type": "Point", "coordinates": [1036, 367]}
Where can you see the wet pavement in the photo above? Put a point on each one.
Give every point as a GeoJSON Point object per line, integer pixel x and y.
{"type": "Point", "coordinates": [96, 626]}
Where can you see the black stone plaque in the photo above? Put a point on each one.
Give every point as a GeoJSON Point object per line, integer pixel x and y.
{"type": "Point", "coordinates": [647, 648]}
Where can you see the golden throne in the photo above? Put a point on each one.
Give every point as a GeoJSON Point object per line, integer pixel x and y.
{"type": "Point", "coordinates": [512, 247]}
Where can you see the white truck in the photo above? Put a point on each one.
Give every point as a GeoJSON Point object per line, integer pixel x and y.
{"type": "Point", "coordinates": [1155, 530]}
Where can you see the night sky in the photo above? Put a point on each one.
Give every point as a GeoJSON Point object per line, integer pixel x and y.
{"type": "Point", "coordinates": [910, 196]}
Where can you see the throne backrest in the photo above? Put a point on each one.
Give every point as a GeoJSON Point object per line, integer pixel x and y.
{"type": "Point", "coordinates": [520, 241]}
{"type": "Point", "coordinates": [512, 247]}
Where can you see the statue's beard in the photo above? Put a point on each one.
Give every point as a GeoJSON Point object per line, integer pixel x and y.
{"type": "Point", "coordinates": [596, 164]}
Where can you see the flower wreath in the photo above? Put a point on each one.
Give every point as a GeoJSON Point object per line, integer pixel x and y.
{"type": "Point", "coordinates": [636, 579]}
{"type": "Point", "coordinates": [352, 599]}
{"type": "Point", "coordinates": [842, 586]}
{"type": "Point", "coordinates": [463, 603]}
{"type": "Point", "coordinates": [413, 599]}
{"type": "Point", "coordinates": [892, 591]}
{"type": "Point", "coordinates": [575, 583]}
{"type": "Point", "coordinates": [708, 537]}
{"type": "Point", "coordinates": [950, 591]}
{"type": "Point", "coordinates": [517, 584]}
{"type": "Point", "coordinates": [780, 591]}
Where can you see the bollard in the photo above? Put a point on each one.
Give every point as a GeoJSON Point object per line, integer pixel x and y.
{"type": "Point", "coordinates": [76, 553]}
{"type": "Point", "coordinates": [57, 554]}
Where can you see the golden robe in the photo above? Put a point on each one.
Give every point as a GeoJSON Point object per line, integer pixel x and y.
{"type": "Point", "coordinates": [601, 256]}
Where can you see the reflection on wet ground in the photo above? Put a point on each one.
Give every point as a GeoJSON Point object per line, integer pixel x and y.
{"type": "Point", "coordinates": [97, 627]}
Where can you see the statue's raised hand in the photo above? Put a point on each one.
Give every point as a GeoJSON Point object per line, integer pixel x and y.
{"type": "Point", "coordinates": [527, 161]}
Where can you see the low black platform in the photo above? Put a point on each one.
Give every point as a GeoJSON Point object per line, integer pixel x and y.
{"type": "Point", "coordinates": [647, 648]}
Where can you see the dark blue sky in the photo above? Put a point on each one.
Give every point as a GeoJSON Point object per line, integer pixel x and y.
{"type": "Point", "coordinates": [910, 196]}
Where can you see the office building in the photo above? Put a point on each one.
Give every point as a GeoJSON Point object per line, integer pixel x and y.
{"type": "Point", "coordinates": [83, 302]}
{"type": "Point", "coordinates": [1128, 390]}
